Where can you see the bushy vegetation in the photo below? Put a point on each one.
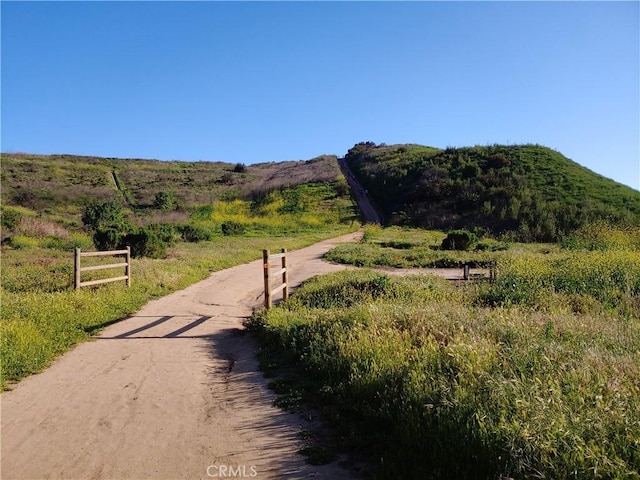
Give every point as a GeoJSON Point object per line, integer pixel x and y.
{"type": "Point", "coordinates": [534, 376]}
{"type": "Point", "coordinates": [404, 247]}
{"type": "Point", "coordinates": [65, 184]}
{"type": "Point", "coordinates": [302, 208]}
{"type": "Point", "coordinates": [459, 240]}
{"type": "Point", "coordinates": [531, 191]}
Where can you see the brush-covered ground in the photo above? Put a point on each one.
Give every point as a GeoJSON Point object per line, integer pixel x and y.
{"type": "Point", "coordinates": [531, 192]}
{"type": "Point", "coordinates": [536, 375]}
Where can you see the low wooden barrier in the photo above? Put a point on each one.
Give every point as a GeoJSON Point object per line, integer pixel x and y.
{"type": "Point", "coordinates": [268, 275]}
{"type": "Point", "coordinates": [493, 273]}
{"type": "Point", "coordinates": [77, 283]}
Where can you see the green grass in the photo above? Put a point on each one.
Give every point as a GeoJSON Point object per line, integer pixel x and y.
{"type": "Point", "coordinates": [442, 389]}
{"type": "Point", "coordinates": [297, 209]}
{"type": "Point", "coordinates": [404, 247]}
{"type": "Point", "coordinates": [534, 376]}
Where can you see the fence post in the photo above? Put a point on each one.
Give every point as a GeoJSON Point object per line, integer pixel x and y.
{"type": "Point", "coordinates": [493, 272]}
{"type": "Point", "coordinates": [267, 286]}
{"type": "Point", "coordinates": [285, 275]}
{"type": "Point", "coordinates": [466, 271]}
{"type": "Point", "coordinates": [127, 269]}
{"type": "Point", "coordinates": [76, 269]}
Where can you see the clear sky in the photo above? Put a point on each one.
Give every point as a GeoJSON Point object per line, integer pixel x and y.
{"type": "Point", "coordinates": [271, 81]}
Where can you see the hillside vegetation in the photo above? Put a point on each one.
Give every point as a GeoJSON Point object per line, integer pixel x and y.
{"type": "Point", "coordinates": [535, 375]}
{"type": "Point", "coordinates": [61, 186]}
{"type": "Point", "coordinates": [530, 191]}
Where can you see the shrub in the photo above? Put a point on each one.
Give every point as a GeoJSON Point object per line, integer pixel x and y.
{"type": "Point", "coordinates": [39, 228]}
{"type": "Point", "coordinates": [194, 233]}
{"type": "Point", "coordinates": [20, 242]}
{"type": "Point", "coordinates": [168, 233]}
{"type": "Point", "coordinates": [459, 240]}
{"type": "Point", "coordinates": [101, 215]}
{"type": "Point", "coordinates": [233, 228]}
{"type": "Point", "coordinates": [144, 243]}
{"type": "Point", "coordinates": [9, 218]}
{"type": "Point", "coordinates": [107, 239]}
{"type": "Point", "coordinates": [603, 236]}
{"type": "Point", "coordinates": [164, 201]}
{"type": "Point", "coordinates": [240, 168]}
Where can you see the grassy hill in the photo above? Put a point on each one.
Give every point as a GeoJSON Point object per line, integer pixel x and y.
{"type": "Point", "coordinates": [64, 184]}
{"type": "Point", "coordinates": [58, 200]}
{"type": "Point", "coordinates": [530, 190]}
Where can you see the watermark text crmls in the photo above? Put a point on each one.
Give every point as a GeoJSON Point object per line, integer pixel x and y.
{"type": "Point", "coordinates": [232, 471]}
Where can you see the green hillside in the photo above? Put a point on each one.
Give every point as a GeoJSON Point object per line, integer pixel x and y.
{"type": "Point", "coordinates": [61, 185]}
{"type": "Point", "coordinates": [530, 190]}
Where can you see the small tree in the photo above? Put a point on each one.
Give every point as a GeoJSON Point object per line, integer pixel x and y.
{"type": "Point", "coordinates": [164, 201]}
{"type": "Point", "coordinates": [232, 228]}
{"type": "Point", "coordinates": [240, 168]}
{"type": "Point", "coordinates": [102, 215]}
{"type": "Point", "coordinates": [459, 240]}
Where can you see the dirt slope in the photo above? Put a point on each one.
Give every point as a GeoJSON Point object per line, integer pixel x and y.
{"type": "Point", "coordinates": [173, 392]}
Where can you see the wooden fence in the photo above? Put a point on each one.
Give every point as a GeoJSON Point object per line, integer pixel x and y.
{"type": "Point", "coordinates": [268, 275]}
{"type": "Point", "coordinates": [77, 283]}
{"type": "Point", "coordinates": [493, 273]}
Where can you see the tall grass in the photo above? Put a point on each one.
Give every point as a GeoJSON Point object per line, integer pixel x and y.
{"type": "Point", "coordinates": [534, 376]}
{"type": "Point", "coordinates": [428, 385]}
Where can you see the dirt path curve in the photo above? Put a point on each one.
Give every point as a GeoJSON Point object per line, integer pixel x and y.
{"type": "Point", "coordinates": [172, 392]}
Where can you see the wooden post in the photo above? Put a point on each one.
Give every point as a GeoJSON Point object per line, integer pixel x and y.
{"type": "Point", "coordinates": [285, 275]}
{"type": "Point", "coordinates": [267, 286]}
{"type": "Point", "coordinates": [127, 269]}
{"type": "Point", "coordinates": [466, 271]}
{"type": "Point", "coordinates": [493, 272]}
{"type": "Point", "coordinates": [76, 269]}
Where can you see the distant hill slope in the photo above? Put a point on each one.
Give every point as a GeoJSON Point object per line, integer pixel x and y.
{"type": "Point", "coordinates": [64, 184]}
{"type": "Point", "coordinates": [528, 189]}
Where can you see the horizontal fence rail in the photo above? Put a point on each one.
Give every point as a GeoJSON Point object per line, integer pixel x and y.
{"type": "Point", "coordinates": [493, 273]}
{"type": "Point", "coordinates": [78, 269]}
{"type": "Point", "coordinates": [268, 275]}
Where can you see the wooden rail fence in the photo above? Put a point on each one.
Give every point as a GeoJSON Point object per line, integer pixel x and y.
{"type": "Point", "coordinates": [493, 273]}
{"type": "Point", "coordinates": [77, 283]}
{"type": "Point", "coordinates": [268, 275]}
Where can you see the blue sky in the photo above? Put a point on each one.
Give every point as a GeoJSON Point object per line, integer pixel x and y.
{"type": "Point", "coordinates": [271, 81]}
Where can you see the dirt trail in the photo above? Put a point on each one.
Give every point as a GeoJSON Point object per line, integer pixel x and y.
{"type": "Point", "coordinates": [172, 392]}
{"type": "Point", "coordinates": [369, 213]}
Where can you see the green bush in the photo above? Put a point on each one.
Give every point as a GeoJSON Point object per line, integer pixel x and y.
{"type": "Point", "coordinates": [103, 215]}
{"type": "Point", "coordinates": [233, 228]}
{"type": "Point", "coordinates": [167, 232]}
{"type": "Point", "coordinates": [194, 233]}
{"type": "Point", "coordinates": [164, 201]}
{"type": "Point", "coordinates": [9, 218]}
{"type": "Point", "coordinates": [20, 242]}
{"type": "Point", "coordinates": [107, 239]}
{"type": "Point", "coordinates": [459, 240]}
{"type": "Point", "coordinates": [144, 243]}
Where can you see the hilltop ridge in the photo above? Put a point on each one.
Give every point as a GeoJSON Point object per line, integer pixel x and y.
{"type": "Point", "coordinates": [529, 190]}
